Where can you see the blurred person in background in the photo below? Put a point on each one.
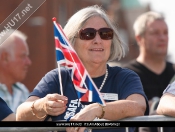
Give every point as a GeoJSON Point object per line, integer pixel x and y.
{"type": "Point", "coordinates": [151, 33]}
{"type": "Point", "coordinates": [14, 63]}
{"type": "Point", "coordinates": [96, 41]}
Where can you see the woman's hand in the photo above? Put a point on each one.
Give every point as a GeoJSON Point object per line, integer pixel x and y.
{"type": "Point", "coordinates": [36, 109]}
{"type": "Point", "coordinates": [89, 113]}
{"type": "Point", "coordinates": [54, 104]}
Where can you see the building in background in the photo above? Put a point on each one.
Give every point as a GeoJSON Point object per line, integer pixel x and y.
{"type": "Point", "coordinates": [39, 29]}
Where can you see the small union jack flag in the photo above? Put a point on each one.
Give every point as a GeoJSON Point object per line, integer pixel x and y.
{"type": "Point", "coordinates": [66, 56]}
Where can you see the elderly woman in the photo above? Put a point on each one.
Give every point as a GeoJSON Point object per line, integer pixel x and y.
{"type": "Point", "coordinates": [96, 41]}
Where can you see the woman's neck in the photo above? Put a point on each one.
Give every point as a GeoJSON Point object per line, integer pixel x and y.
{"type": "Point", "coordinates": [96, 70]}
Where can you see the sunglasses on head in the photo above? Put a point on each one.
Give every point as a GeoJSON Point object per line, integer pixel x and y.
{"type": "Point", "coordinates": [90, 33]}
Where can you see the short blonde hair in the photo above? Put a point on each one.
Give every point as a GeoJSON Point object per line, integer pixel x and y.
{"type": "Point", "coordinates": [76, 22]}
{"type": "Point", "coordinates": [140, 23]}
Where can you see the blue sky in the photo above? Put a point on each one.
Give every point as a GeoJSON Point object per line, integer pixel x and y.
{"type": "Point", "coordinates": [167, 7]}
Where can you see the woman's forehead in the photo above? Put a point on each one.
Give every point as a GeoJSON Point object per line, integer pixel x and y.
{"type": "Point", "coordinates": [95, 22]}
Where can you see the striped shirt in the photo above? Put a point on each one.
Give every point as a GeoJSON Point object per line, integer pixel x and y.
{"type": "Point", "coordinates": [20, 94]}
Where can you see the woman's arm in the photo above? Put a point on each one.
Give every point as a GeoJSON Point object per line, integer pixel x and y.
{"type": "Point", "coordinates": [167, 105]}
{"type": "Point", "coordinates": [52, 104]}
{"type": "Point", "coordinates": [134, 105]}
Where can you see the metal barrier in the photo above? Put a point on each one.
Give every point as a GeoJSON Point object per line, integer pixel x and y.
{"type": "Point", "coordinates": [49, 129]}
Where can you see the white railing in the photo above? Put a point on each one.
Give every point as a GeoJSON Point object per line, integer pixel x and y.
{"type": "Point", "coordinates": [49, 129]}
{"type": "Point", "coordinates": [150, 118]}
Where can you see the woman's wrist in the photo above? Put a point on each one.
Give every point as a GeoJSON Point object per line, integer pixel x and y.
{"type": "Point", "coordinates": [38, 114]}
{"type": "Point", "coordinates": [101, 111]}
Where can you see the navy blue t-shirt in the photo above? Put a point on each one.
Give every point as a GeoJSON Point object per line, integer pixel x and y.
{"type": "Point", "coordinates": [123, 82]}
{"type": "Point", "coordinates": [4, 109]}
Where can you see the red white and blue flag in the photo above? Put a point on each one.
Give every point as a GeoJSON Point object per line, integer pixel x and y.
{"type": "Point", "coordinates": [66, 56]}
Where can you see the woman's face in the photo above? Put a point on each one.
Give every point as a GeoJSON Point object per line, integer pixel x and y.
{"type": "Point", "coordinates": [96, 50]}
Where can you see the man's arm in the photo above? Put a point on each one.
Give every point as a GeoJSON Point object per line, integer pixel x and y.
{"type": "Point", "coordinates": [11, 117]}
{"type": "Point", "coordinates": [167, 105]}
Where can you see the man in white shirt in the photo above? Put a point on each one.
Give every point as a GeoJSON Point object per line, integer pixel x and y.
{"type": "Point", "coordinates": [14, 63]}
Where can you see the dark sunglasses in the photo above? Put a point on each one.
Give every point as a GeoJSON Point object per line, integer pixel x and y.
{"type": "Point", "coordinates": [90, 33]}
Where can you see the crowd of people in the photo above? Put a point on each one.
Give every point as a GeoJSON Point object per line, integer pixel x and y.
{"type": "Point", "coordinates": [96, 41]}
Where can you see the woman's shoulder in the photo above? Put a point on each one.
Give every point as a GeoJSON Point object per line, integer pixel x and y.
{"type": "Point", "coordinates": [53, 76]}
{"type": "Point", "coordinates": [122, 74]}
{"type": "Point", "coordinates": [54, 72]}
{"type": "Point", "coordinates": [121, 70]}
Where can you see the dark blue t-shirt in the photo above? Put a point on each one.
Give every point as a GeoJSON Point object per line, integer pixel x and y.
{"type": "Point", "coordinates": [123, 82]}
{"type": "Point", "coordinates": [4, 109]}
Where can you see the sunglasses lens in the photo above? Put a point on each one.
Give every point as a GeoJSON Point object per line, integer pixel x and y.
{"type": "Point", "coordinates": [106, 33]}
{"type": "Point", "coordinates": [87, 34]}
{"type": "Point", "coordinates": [90, 33]}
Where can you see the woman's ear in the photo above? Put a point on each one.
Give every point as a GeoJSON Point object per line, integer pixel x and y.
{"type": "Point", "coordinates": [4, 57]}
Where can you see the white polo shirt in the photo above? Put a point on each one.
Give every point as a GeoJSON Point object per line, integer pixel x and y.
{"type": "Point", "coordinates": [20, 94]}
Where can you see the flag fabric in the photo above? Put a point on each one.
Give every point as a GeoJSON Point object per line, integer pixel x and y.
{"type": "Point", "coordinates": [66, 56]}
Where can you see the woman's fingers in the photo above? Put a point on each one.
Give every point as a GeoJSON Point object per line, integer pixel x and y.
{"type": "Point", "coordinates": [54, 104]}
{"type": "Point", "coordinates": [55, 111]}
{"type": "Point", "coordinates": [55, 97]}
